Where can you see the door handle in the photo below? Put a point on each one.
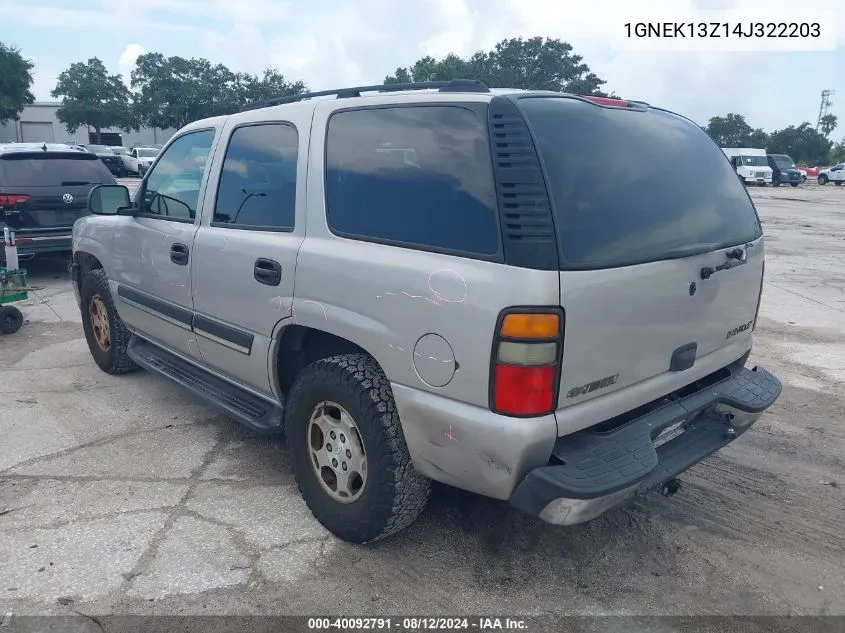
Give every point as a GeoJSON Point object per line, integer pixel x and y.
{"type": "Point", "coordinates": [267, 272]}
{"type": "Point", "coordinates": [179, 254]}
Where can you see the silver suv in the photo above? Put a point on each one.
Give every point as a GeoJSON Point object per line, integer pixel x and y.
{"type": "Point", "coordinates": [501, 290]}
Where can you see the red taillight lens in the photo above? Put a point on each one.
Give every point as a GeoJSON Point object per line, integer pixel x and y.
{"type": "Point", "coordinates": [524, 390]}
{"type": "Point", "coordinates": [526, 362]}
{"type": "Point", "coordinates": [8, 201]}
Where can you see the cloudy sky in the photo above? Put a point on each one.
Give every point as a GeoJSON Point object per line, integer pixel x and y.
{"type": "Point", "coordinates": [331, 43]}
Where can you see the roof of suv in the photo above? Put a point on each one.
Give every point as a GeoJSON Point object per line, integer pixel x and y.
{"type": "Point", "coordinates": [9, 148]}
{"type": "Point", "coordinates": [456, 90]}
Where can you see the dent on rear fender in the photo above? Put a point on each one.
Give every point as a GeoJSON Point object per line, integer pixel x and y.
{"type": "Point", "coordinates": [469, 447]}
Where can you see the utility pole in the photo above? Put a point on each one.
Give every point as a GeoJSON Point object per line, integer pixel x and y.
{"type": "Point", "coordinates": [824, 108]}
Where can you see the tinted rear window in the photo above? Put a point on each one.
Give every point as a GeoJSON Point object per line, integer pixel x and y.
{"type": "Point", "coordinates": [53, 171]}
{"type": "Point", "coordinates": [631, 187]}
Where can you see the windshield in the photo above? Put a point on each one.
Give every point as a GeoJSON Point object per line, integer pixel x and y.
{"type": "Point", "coordinates": [616, 205]}
{"type": "Point", "coordinates": [119, 150]}
{"type": "Point", "coordinates": [99, 149]}
{"type": "Point", "coordinates": [148, 153]}
{"type": "Point", "coordinates": [754, 161]}
{"type": "Point", "coordinates": [53, 170]}
{"type": "Point", "coordinates": [784, 162]}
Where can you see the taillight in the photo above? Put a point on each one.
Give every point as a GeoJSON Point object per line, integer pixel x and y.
{"type": "Point", "coordinates": [759, 295]}
{"type": "Point", "coordinates": [526, 361]}
{"type": "Point", "coordinates": [9, 200]}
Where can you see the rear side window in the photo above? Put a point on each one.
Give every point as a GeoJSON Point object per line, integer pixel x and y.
{"type": "Point", "coordinates": [53, 171]}
{"type": "Point", "coordinates": [631, 187]}
{"type": "Point", "coordinates": [258, 182]}
{"type": "Point", "coordinates": [416, 176]}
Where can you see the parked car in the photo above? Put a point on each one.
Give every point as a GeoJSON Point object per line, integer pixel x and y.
{"type": "Point", "coordinates": [809, 172]}
{"type": "Point", "coordinates": [525, 328]}
{"type": "Point", "coordinates": [784, 170]}
{"type": "Point", "coordinates": [138, 160]}
{"type": "Point", "coordinates": [109, 158]}
{"type": "Point", "coordinates": [43, 191]}
{"type": "Point", "coordinates": [120, 150]}
{"type": "Point", "coordinates": [835, 174]}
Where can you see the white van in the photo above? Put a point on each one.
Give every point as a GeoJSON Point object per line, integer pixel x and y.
{"type": "Point", "coordinates": [751, 165]}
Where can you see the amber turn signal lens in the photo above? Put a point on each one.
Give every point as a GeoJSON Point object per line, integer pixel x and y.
{"type": "Point", "coordinates": [531, 326]}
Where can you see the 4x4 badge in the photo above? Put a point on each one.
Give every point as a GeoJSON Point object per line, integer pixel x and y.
{"type": "Point", "coordinates": [67, 198]}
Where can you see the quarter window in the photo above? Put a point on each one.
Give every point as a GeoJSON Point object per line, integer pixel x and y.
{"type": "Point", "coordinates": [414, 176]}
{"type": "Point", "coordinates": [258, 182]}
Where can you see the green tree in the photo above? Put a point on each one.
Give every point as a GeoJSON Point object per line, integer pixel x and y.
{"type": "Point", "coordinates": [802, 143]}
{"type": "Point", "coordinates": [533, 64]}
{"type": "Point", "coordinates": [828, 123]}
{"type": "Point", "coordinates": [173, 91]}
{"type": "Point", "coordinates": [837, 153]}
{"type": "Point", "coordinates": [92, 97]}
{"type": "Point", "coordinates": [15, 83]}
{"type": "Point", "coordinates": [269, 85]}
{"type": "Point", "coordinates": [732, 130]}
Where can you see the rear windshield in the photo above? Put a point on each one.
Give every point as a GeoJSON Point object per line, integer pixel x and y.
{"type": "Point", "coordinates": [53, 171]}
{"type": "Point", "coordinates": [631, 187]}
{"type": "Point", "coordinates": [148, 153]}
{"type": "Point", "coordinates": [99, 149]}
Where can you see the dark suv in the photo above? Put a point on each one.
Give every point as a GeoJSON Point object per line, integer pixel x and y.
{"type": "Point", "coordinates": [110, 158]}
{"type": "Point", "coordinates": [784, 170]}
{"type": "Point", "coordinates": [43, 191]}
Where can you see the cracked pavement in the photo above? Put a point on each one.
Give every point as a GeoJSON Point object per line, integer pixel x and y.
{"type": "Point", "coordinates": [127, 495]}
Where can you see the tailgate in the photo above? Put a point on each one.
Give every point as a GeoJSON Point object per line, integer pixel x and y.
{"type": "Point", "coordinates": [49, 207]}
{"type": "Point", "coordinates": [624, 325]}
{"type": "Point", "coordinates": [643, 200]}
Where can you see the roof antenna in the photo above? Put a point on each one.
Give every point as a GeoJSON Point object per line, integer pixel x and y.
{"type": "Point", "coordinates": [44, 146]}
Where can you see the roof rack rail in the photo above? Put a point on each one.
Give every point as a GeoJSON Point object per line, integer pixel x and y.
{"type": "Point", "coordinates": [455, 85]}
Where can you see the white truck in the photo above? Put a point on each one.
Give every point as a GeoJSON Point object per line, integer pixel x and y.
{"type": "Point", "coordinates": [138, 161]}
{"type": "Point", "coordinates": [750, 164]}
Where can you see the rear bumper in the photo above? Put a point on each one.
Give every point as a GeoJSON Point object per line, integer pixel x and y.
{"type": "Point", "coordinates": [591, 472]}
{"type": "Point", "coordinates": [32, 243]}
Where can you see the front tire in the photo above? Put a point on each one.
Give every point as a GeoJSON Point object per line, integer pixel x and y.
{"type": "Point", "coordinates": [342, 419]}
{"type": "Point", "coordinates": [822, 180]}
{"type": "Point", "coordinates": [794, 184]}
{"type": "Point", "coordinates": [105, 332]}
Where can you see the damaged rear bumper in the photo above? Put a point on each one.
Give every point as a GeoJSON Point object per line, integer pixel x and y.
{"type": "Point", "coordinates": [591, 472]}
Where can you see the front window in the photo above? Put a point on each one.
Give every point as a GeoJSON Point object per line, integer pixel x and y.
{"type": "Point", "coordinates": [755, 161]}
{"type": "Point", "coordinates": [784, 162]}
{"type": "Point", "coordinates": [173, 186]}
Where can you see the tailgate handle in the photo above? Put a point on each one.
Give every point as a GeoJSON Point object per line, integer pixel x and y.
{"type": "Point", "coordinates": [684, 357]}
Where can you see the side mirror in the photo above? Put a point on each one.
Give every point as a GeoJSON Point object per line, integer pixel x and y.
{"type": "Point", "coordinates": [108, 199]}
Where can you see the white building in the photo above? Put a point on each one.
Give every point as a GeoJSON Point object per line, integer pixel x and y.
{"type": "Point", "coordinates": [39, 123]}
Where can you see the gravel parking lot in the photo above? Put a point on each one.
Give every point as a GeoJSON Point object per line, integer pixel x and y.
{"type": "Point", "coordinates": [127, 495]}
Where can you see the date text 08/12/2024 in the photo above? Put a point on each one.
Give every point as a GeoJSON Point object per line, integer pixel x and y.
{"type": "Point", "coordinates": [722, 30]}
{"type": "Point", "coordinates": [416, 624]}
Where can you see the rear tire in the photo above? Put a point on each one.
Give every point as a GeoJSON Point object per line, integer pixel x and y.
{"type": "Point", "coordinates": [105, 332]}
{"type": "Point", "coordinates": [11, 319]}
{"type": "Point", "coordinates": [837, 182]}
{"type": "Point", "coordinates": [391, 494]}
{"type": "Point", "coordinates": [794, 184]}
